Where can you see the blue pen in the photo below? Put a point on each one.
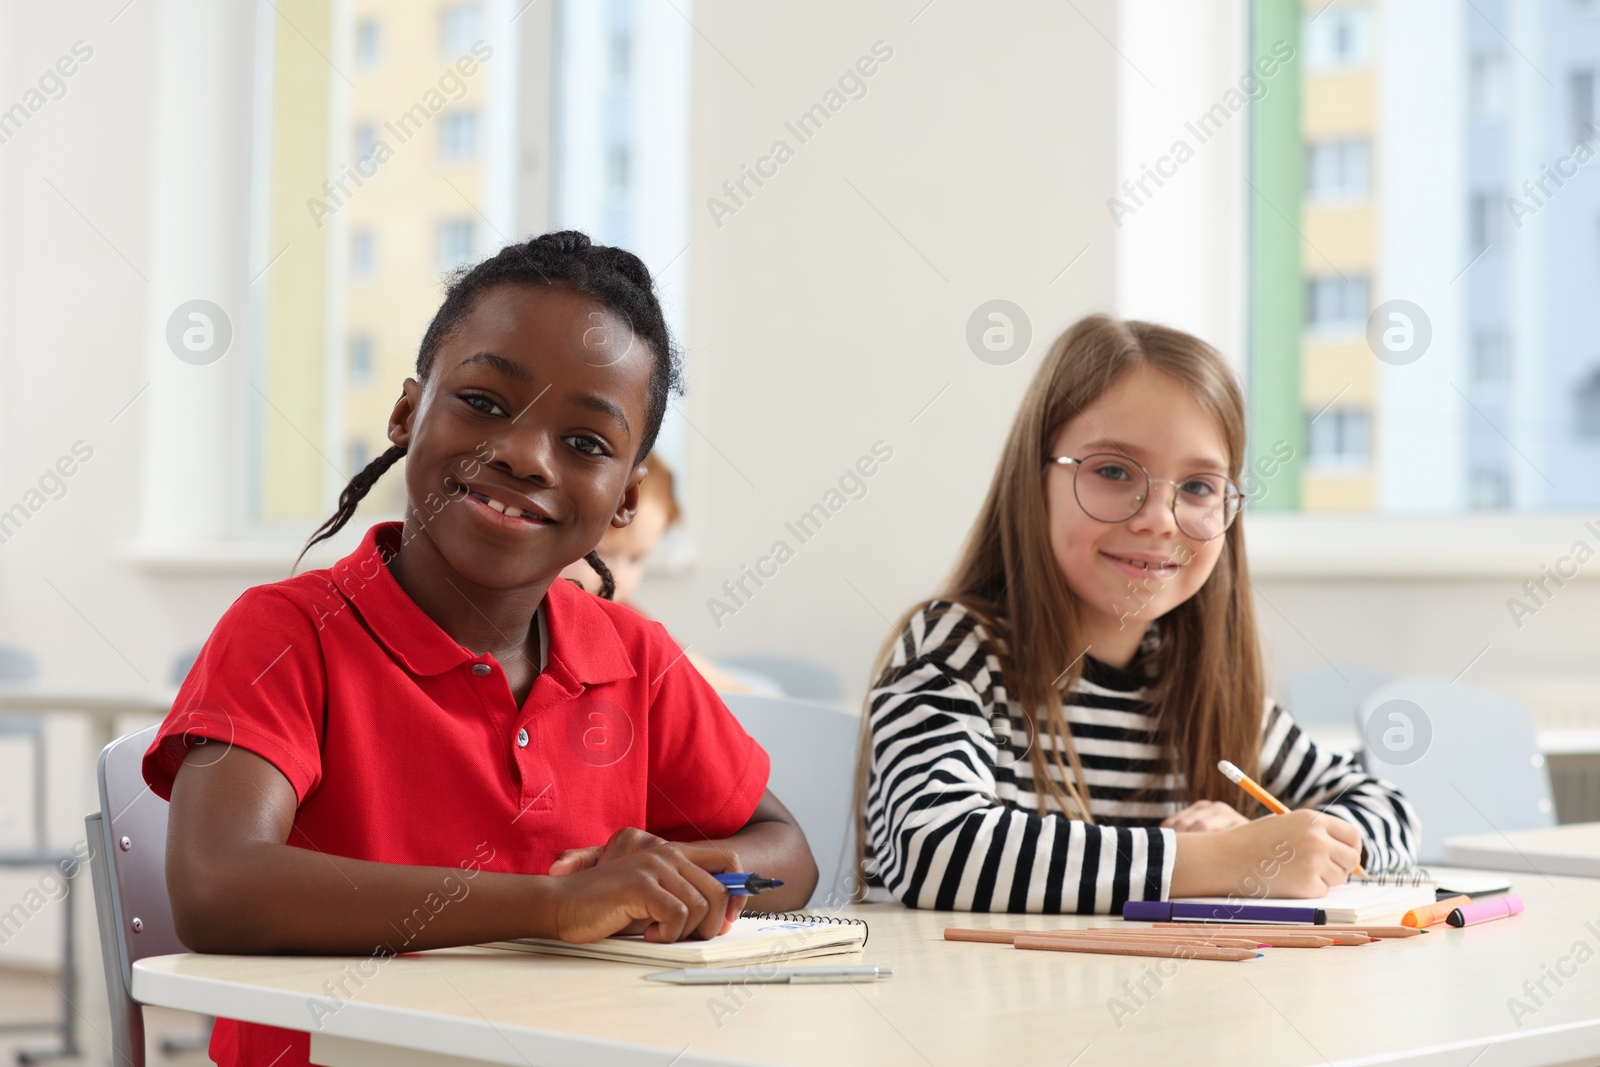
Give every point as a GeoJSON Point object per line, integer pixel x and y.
{"type": "Point", "coordinates": [746, 885]}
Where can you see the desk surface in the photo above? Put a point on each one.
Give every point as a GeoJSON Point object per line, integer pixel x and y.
{"type": "Point", "coordinates": [1573, 849]}
{"type": "Point", "coordinates": [1435, 999]}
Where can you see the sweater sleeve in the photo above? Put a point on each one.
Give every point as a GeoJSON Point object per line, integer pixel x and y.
{"type": "Point", "coordinates": [1303, 775]}
{"type": "Point", "coordinates": [939, 833]}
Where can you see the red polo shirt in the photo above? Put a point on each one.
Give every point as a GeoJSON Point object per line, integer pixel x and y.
{"type": "Point", "coordinates": [404, 747]}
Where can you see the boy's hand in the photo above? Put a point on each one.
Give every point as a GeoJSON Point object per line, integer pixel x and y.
{"type": "Point", "coordinates": [1204, 815]}
{"type": "Point", "coordinates": [656, 869]}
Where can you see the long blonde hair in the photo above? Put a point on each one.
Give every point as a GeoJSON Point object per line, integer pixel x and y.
{"type": "Point", "coordinates": [1209, 692]}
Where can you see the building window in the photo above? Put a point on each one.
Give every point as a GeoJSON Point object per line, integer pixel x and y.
{"type": "Point", "coordinates": [360, 454]}
{"type": "Point", "coordinates": [621, 56]}
{"type": "Point", "coordinates": [1491, 359]}
{"type": "Point", "coordinates": [1338, 38]}
{"type": "Point", "coordinates": [456, 243]}
{"type": "Point", "coordinates": [1488, 86]}
{"type": "Point", "coordinates": [1337, 438]}
{"type": "Point", "coordinates": [458, 136]}
{"type": "Point", "coordinates": [462, 28]}
{"type": "Point", "coordinates": [366, 143]}
{"type": "Point", "coordinates": [617, 165]}
{"type": "Point", "coordinates": [1336, 170]}
{"type": "Point", "coordinates": [1489, 489]}
{"type": "Point", "coordinates": [360, 361]}
{"type": "Point", "coordinates": [369, 44]}
{"type": "Point", "coordinates": [1336, 302]}
{"type": "Point", "coordinates": [1486, 226]}
{"type": "Point", "coordinates": [363, 253]}
{"type": "Point", "coordinates": [1580, 90]}
{"type": "Point", "coordinates": [1587, 404]}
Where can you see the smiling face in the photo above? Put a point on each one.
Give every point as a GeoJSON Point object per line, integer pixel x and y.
{"type": "Point", "coordinates": [1127, 574]}
{"type": "Point", "coordinates": [520, 448]}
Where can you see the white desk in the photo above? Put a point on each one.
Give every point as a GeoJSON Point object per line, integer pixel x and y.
{"type": "Point", "coordinates": [1573, 849]}
{"type": "Point", "coordinates": [1438, 1000]}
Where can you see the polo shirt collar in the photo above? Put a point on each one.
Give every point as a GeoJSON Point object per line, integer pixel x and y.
{"type": "Point", "coordinates": [584, 649]}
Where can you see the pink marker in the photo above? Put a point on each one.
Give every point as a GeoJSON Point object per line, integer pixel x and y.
{"type": "Point", "coordinates": [1498, 908]}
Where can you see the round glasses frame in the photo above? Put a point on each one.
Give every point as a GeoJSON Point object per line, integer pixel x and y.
{"type": "Point", "coordinates": [1232, 499]}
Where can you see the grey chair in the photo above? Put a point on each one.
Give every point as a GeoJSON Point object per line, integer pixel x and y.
{"type": "Point", "coordinates": [128, 839]}
{"type": "Point", "coordinates": [800, 678]}
{"type": "Point", "coordinates": [39, 854]}
{"type": "Point", "coordinates": [1329, 698]}
{"type": "Point", "coordinates": [1467, 758]}
{"type": "Point", "coordinates": [813, 751]}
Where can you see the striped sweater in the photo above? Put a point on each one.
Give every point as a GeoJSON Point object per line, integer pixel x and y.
{"type": "Point", "coordinates": [952, 810]}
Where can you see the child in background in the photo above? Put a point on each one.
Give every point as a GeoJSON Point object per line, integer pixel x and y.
{"type": "Point", "coordinates": [434, 742]}
{"type": "Point", "coordinates": [1044, 735]}
{"type": "Point", "coordinates": [625, 551]}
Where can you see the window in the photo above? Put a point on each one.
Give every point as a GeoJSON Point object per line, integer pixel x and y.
{"type": "Point", "coordinates": [1489, 489]}
{"type": "Point", "coordinates": [458, 136]}
{"type": "Point", "coordinates": [1336, 303]}
{"type": "Point", "coordinates": [360, 454]}
{"type": "Point", "coordinates": [1491, 359]}
{"type": "Point", "coordinates": [1336, 170]}
{"type": "Point", "coordinates": [617, 159]}
{"type": "Point", "coordinates": [1580, 89]}
{"type": "Point", "coordinates": [360, 361]}
{"type": "Point", "coordinates": [1487, 223]}
{"type": "Point", "coordinates": [366, 143]}
{"type": "Point", "coordinates": [1489, 86]}
{"type": "Point", "coordinates": [462, 28]}
{"type": "Point", "coordinates": [1337, 438]}
{"type": "Point", "coordinates": [369, 44]}
{"type": "Point", "coordinates": [1338, 37]}
{"type": "Point", "coordinates": [1586, 424]}
{"type": "Point", "coordinates": [363, 253]}
{"type": "Point", "coordinates": [621, 56]}
{"type": "Point", "coordinates": [457, 245]}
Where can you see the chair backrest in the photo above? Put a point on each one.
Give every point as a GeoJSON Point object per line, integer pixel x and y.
{"type": "Point", "coordinates": [813, 750]}
{"type": "Point", "coordinates": [129, 838]}
{"type": "Point", "coordinates": [1467, 758]}
{"type": "Point", "coordinates": [800, 678]}
{"type": "Point", "coordinates": [1330, 697]}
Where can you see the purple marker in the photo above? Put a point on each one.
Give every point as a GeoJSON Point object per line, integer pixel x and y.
{"type": "Point", "coordinates": [1163, 911]}
{"type": "Point", "coordinates": [1484, 910]}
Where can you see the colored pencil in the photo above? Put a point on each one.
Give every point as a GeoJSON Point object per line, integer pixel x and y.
{"type": "Point", "coordinates": [1133, 947]}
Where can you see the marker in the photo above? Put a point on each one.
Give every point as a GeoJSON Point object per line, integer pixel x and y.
{"type": "Point", "coordinates": [1162, 911]}
{"type": "Point", "coordinates": [1272, 803]}
{"type": "Point", "coordinates": [1433, 913]}
{"type": "Point", "coordinates": [746, 885]}
{"type": "Point", "coordinates": [1498, 908]}
{"type": "Point", "coordinates": [776, 976]}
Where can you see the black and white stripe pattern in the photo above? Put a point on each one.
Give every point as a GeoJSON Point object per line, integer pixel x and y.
{"type": "Point", "coordinates": [952, 812]}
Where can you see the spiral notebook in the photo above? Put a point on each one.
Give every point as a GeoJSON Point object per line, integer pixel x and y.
{"type": "Point", "coordinates": [756, 937]}
{"type": "Point", "coordinates": [1445, 883]}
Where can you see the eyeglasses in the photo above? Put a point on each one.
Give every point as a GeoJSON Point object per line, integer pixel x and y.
{"type": "Point", "coordinates": [1113, 488]}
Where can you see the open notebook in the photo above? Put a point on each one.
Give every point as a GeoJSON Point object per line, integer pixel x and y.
{"type": "Point", "coordinates": [1445, 883]}
{"type": "Point", "coordinates": [755, 938]}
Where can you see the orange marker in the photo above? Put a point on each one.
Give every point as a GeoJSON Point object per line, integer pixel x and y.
{"type": "Point", "coordinates": [1433, 914]}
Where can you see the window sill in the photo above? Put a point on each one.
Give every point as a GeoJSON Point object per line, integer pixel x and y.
{"type": "Point", "coordinates": [1456, 546]}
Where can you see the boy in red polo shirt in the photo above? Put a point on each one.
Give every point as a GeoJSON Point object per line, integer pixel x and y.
{"type": "Point", "coordinates": [434, 742]}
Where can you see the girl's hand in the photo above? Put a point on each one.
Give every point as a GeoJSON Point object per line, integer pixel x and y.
{"type": "Point", "coordinates": [642, 884]}
{"type": "Point", "coordinates": [1204, 815]}
{"type": "Point", "coordinates": [1301, 854]}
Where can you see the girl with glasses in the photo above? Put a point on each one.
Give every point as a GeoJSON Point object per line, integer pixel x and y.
{"type": "Point", "coordinates": [1044, 735]}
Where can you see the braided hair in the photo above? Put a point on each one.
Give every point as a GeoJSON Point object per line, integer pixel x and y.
{"type": "Point", "coordinates": [615, 278]}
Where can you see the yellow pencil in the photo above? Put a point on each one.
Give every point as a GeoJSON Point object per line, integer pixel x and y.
{"type": "Point", "coordinates": [1273, 804]}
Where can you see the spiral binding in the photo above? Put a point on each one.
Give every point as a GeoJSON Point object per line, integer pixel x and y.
{"type": "Point", "coordinates": [1417, 876]}
{"type": "Point", "coordinates": [807, 917]}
